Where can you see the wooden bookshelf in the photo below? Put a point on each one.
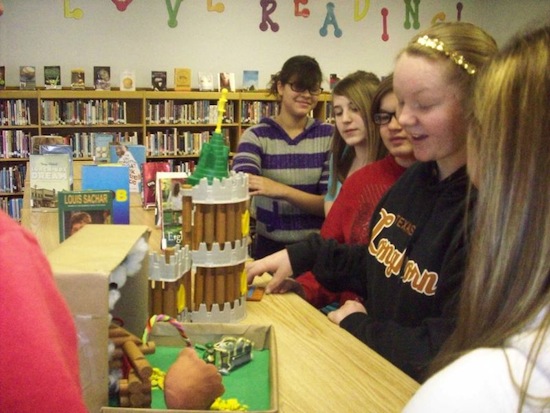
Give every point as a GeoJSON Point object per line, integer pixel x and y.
{"type": "Point", "coordinates": [143, 116]}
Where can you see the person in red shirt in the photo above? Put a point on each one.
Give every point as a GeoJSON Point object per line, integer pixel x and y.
{"type": "Point", "coordinates": [38, 350]}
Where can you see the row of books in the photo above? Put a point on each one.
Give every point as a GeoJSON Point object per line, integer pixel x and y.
{"type": "Point", "coordinates": [102, 79]}
{"type": "Point", "coordinates": [253, 111]}
{"type": "Point", "coordinates": [12, 179]}
{"type": "Point", "coordinates": [173, 143]}
{"type": "Point", "coordinates": [15, 112]}
{"type": "Point", "coordinates": [197, 112]}
{"type": "Point", "coordinates": [84, 112]}
{"type": "Point", "coordinates": [12, 206]}
{"type": "Point", "coordinates": [15, 144]}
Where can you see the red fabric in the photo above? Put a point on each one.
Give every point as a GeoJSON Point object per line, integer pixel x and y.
{"type": "Point", "coordinates": [349, 218]}
{"type": "Point", "coordinates": [38, 350]}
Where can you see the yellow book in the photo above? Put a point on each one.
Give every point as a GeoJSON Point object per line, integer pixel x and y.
{"type": "Point", "coordinates": [182, 78]}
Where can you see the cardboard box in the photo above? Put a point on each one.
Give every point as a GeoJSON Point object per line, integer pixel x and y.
{"type": "Point", "coordinates": [263, 336]}
{"type": "Point", "coordinates": [81, 266]}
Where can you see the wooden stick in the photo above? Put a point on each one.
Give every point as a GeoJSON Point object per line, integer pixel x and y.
{"type": "Point", "coordinates": [221, 217]}
{"type": "Point", "coordinates": [187, 214]}
{"type": "Point", "coordinates": [157, 287]}
{"type": "Point", "coordinates": [199, 287]}
{"type": "Point", "coordinates": [209, 222]}
{"type": "Point", "coordinates": [239, 209]}
{"type": "Point", "coordinates": [198, 227]}
{"type": "Point", "coordinates": [209, 286]}
{"type": "Point", "coordinates": [138, 361]}
{"type": "Point", "coordinates": [169, 299]}
{"type": "Point", "coordinates": [230, 222]}
{"type": "Point", "coordinates": [220, 274]}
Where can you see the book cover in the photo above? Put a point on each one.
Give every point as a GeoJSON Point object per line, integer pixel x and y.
{"type": "Point", "coordinates": [2, 77]}
{"type": "Point", "coordinates": [59, 148]}
{"type": "Point", "coordinates": [133, 156]}
{"type": "Point", "coordinates": [114, 177]}
{"type": "Point", "coordinates": [226, 80]}
{"type": "Point", "coordinates": [128, 80]}
{"type": "Point", "coordinates": [149, 173]}
{"type": "Point", "coordinates": [102, 77]}
{"type": "Point", "coordinates": [182, 79]}
{"type": "Point", "coordinates": [79, 208]}
{"type": "Point", "coordinates": [49, 175]}
{"type": "Point", "coordinates": [169, 207]}
{"type": "Point", "coordinates": [52, 77]}
{"type": "Point", "coordinates": [27, 77]}
{"type": "Point", "coordinates": [78, 79]}
{"type": "Point", "coordinates": [100, 146]}
{"type": "Point", "coordinates": [251, 79]}
{"type": "Point", "coordinates": [158, 80]}
{"type": "Point", "coordinates": [206, 81]}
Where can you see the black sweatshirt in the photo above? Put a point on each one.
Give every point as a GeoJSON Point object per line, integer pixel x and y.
{"type": "Point", "coordinates": [410, 273]}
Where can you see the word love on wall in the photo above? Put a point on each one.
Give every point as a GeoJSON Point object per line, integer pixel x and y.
{"type": "Point", "coordinates": [268, 13]}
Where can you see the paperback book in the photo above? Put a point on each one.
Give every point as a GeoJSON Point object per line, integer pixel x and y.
{"type": "Point", "coordinates": [226, 81]}
{"type": "Point", "coordinates": [133, 156]}
{"type": "Point", "coordinates": [79, 208]}
{"type": "Point", "coordinates": [158, 80]}
{"type": "Point", "coordinates": [52, 77]}
{"type": "Point", "coordinates": [49, 175]}
{"type": "Point", "coordinates": [100, 146]}
{"type": "Point", "coordinates": [102, 77]}
{"type": "Point", "coordinates": [78, 79]}
{"type": "Point", "coordinates": [27, 77]}
{"type": "Point", "coordinates": [182, 79]}
{"type": "Point", "coordinates": [251, 80]}
{"type": "Point", "coordinates": [128, 81]}
{"type": "Point", "coordinates": [206, 81]}
{"type": "Point", "coordinates": [113, 177]}
{"type": "Point", "coordinates": [59, 148]}
{"type": "Point", "coordinates": [149, 172]}
{"type": "Point", "coordinates": [169, 207]}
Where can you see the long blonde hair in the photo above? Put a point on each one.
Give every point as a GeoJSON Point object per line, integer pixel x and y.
{"type": "Point", "coordinates": [507, 281]}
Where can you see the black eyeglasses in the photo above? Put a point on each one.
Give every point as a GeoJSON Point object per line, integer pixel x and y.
{"type": "Point", "coordinates": [298, 89]}
{"type": "Point", "coordinates": [384, 118]}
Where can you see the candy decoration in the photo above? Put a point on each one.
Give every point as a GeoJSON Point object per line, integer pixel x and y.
{"type": "Point", "coordinates": [167, 319]}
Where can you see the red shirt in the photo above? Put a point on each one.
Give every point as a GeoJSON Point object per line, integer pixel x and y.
{"type": "Point", "coordinates": [348, 221]}
{"type": "Point", "coordinates": [38, 349]}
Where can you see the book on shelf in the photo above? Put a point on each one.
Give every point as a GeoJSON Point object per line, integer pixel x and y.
{"type": "Point", "coordinates": [182, 79]}
{"type": "Point", "coordinates": [149, 172]}
{"type": "Point", "coordinates": [206, 81]}
{"type": "Point", "coordinates": [226, 81]}
{"type": "Point", "coordinates": [52, 77]}
{"type": "Point", "coordinates": [100, 146]}
{"type": "Point", "coordinates": [158, 79]}
{"type": "Point", "coordinates": [27, 77]}
{"type": "Point", "coordinates": [2, 77]}
{"type": "Point", "coordinates": [102, 77]}
{"type": "Point", "coordinates": [251, 80]}
{"type": "Point", "coordinates": [128, 81]}
{"type": "Point", "coordinates": [114, 177]}
{"type": "Point", "coordinates": [78, 79]}
{"type": "Point", "coordinates": [133, 156]}
{"type": "Point", "coordinates": [12, 178]}
{"type": "Point", "coordinates": [49, 175]}
{"type": "Point", "coordinates": [79, 208]}
{"type": "Point", "coordinates": [169, 207]}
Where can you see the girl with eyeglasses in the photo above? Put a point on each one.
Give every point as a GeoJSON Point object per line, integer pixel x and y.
{"type": "Point", "coordinates": [286, 157]}
{"type": "Point", "coordinates": [410, 274]}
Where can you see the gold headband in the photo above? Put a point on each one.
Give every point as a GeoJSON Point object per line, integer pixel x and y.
{"type": "Point", "coordinates": [438, 45]}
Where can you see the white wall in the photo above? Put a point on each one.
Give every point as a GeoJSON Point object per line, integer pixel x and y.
{"type": "Point", "coordinates": [37, 33]}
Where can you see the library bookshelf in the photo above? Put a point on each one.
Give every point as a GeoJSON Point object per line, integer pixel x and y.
{"type": "Point", "coordinates": [171, 124]}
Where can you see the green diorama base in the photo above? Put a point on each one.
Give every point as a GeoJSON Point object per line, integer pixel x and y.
{"type": "Point", "coordinates": [253, 384]}
{"type": "Point", "coordinates": [249, 383]}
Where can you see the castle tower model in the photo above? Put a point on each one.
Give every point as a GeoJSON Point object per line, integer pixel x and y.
{"type": "Point", "coordinates": [214, 236]}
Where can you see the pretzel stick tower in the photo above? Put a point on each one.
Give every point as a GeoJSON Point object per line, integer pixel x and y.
{"type": "Point", "coordinates": [215, 227]}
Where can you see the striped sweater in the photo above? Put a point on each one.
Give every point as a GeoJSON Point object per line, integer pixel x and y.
{"type": "Point", "coordinates": [267, 150]}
